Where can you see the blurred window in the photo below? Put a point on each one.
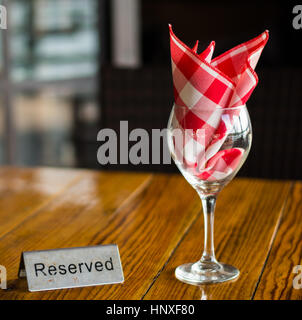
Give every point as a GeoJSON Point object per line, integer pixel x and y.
{"type": "Point", "coordinates": [53, 39]}
{"type": "Point", "coordinates": [50, 56]}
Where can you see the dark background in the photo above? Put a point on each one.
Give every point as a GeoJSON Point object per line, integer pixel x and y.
{"type": "Point", "coordinates": [144, 97]}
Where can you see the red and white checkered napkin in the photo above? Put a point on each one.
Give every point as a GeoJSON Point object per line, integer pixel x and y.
{"type": "Point", "coordinates": [201, 85]}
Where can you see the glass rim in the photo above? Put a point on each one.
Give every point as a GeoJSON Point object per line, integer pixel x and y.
{"type": "Point", "coordinates": [216, 108]}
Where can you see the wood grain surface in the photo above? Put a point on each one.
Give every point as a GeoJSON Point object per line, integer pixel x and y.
{"type": "Point", "coordinates": [245, 219]}
{"type": "Point", "coordinates": [157, 222]}
{"type": "Point", "coordinates": [24, 191]}
{"type": "Point", "coordinates": [278, 276]}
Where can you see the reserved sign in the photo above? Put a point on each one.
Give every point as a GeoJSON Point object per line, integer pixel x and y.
{"type": "Point", "coordinates": [71, 267]}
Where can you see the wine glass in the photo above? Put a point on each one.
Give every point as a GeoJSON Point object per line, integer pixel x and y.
{"type": "Point", "coordinates": [208, 148]}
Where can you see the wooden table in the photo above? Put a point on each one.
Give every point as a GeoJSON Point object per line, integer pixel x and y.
{"type": "Point", "coordinates": [156, 220]}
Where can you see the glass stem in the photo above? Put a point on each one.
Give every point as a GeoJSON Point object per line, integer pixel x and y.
{"type": "Point", "coordinates": [208, 205]}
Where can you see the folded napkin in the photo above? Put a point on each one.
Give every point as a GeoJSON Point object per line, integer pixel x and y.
{"type": "Point", "coordinates": [201, 85]}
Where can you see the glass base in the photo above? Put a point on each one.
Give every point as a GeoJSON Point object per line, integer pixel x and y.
{"type": "Point", "coordinates": [205, 273]}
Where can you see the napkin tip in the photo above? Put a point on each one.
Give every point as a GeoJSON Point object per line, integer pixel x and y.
{"type": "Point", "coordinates": [170, 29]}
{"type": "Point", "coordinates": [265, 36]}
{"type": "Point", "coordinates": [266, 32]}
